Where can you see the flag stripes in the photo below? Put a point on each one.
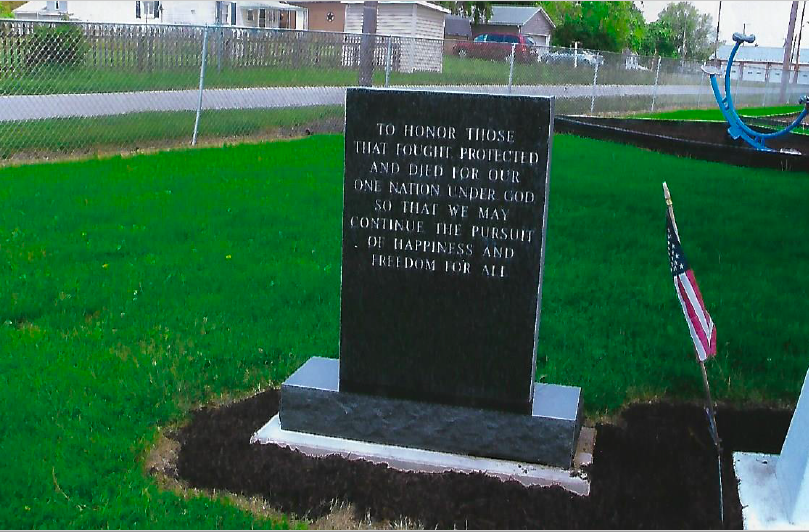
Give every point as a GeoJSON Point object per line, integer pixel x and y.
{"type": "Point", "coordinates": [700, 324]}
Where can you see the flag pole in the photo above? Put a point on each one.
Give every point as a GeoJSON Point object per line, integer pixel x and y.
{"type": "Point", "coordinates": [709, 406]}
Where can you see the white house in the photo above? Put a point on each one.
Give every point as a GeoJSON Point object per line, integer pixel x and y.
{"type": "Point", "coordinates": [268, 14]}
{"type": "Point", "coordinates": [420, 26]}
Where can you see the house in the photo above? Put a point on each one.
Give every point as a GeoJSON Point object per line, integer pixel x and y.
{"type": "Point", "coordinates": [270, 14]}
{"type": "Point", "coordinates": [417, 28]}
{"type": "Point", "coordinates": [761, 63]}
{"type": "Point", "coordinates": [325, 16]}
{"type": "Point", "coordinates": [456, 28]}
{"type": "Point", "coordinates": [418, 25]}
{"type": "Point", "coordinates": [331, 16]}
{"type": "Point", "coordinates": [529, 21]}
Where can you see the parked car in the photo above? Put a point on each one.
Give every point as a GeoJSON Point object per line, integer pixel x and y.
{"type": "Point", "coordinates": [497, 47]}
{"type": "Point", "coordinates": [571, 57]}
{"type": "Point", "coordinates": [636, 66]}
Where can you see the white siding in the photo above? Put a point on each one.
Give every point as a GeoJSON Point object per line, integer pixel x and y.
{"type": "Point", "coordinates": [172, 12]}
{"type": "Point", "coordinates": [400, 19]}
{"type": "Point", "coordinates": [179, 12]}
{"type": "Point", "coordinates": [353, 18]}
{"type": "Point", "coordinates": [406, 20]}
{"type": "Point", "coordinates": [395, 19]}
{"type": "Point", "coordinates": [103, 11]}
{"type": "Point", "coordinates": [429, 23]}
{"type": "Point", "coordinates": [426, 50]}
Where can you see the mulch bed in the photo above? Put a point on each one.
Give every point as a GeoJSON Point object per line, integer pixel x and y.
{"type": "Point", "coordinates": [654, 468]}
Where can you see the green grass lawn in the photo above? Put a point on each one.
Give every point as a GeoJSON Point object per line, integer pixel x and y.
{"type": "Point", "coordinates": [84, 135]}
{"type": "Point", "coordinates": [715, 115]}
{"type": "Point", "coordinates": [132, 289]}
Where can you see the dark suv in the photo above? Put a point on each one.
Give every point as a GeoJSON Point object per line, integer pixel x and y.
{"type": "Point", "coordinates": [497, 47]}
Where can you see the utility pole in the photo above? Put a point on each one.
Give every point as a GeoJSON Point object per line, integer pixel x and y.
{"type": "Point", "coordinates": [798, 48]}
{"type": "Point", "coordinates": [716, 41]}
{"type": "Point", "coordinates": [367, 44]}
{"type": "Point", "coordinates": [793, 14]}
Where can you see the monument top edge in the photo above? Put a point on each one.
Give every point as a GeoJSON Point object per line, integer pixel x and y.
{"type": "Point", "coordinates": [464, 93]}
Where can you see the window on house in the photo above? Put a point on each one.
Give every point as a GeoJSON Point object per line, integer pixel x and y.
{"type": "Point", "coordinates": [250, 15]}
{"type": "Point", "coordinates": [148, 9]}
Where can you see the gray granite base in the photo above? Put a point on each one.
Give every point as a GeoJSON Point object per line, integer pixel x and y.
{"type": "Point", "coordinates": [311, 402]}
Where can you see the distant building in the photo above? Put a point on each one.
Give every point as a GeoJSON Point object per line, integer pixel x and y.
{"type": "Point", "coordinates": [393, 17]}
{"type": "Point", "coordinates": [419, 26]}
{"type": "Point", "coordinates": [518, 20]}
{"type": "Point", "coordinates": [269, 14]}
{"type": "Point", "coordinates": [324, 16]}
{"type": "Point", "coordinates": [761, 63]}
{"type": "Point", "coordinates": [456, 28]}
{"type": "Point", "coordinates": [401, 18]}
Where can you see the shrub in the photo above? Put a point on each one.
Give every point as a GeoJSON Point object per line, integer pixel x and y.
{"type": "Point", "coordinates": [59, 44]}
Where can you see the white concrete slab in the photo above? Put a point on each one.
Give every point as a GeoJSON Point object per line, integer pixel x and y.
{"type": "Point", "coordinates": [423, 461]}
{"type": "Point", "coordinates": [763, 507]}
{"type": "Point", "coordinates": [792, 472]}
{"type": "Point", "coordinates": [774, 489]}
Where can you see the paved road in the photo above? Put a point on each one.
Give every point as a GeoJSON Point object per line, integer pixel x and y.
{"type": "Point", "coordinates": [26, 107]}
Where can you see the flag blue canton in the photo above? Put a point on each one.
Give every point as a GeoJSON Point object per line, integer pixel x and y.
{"type": "Point", "coordinates": [677, 260]}
{"type": "Point", "coordinates": [700, 324]}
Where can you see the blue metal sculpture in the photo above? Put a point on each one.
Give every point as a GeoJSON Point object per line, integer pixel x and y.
{"type": "Point", "coordinates": [738, 129]}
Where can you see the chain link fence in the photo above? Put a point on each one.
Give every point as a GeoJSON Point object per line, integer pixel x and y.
{"type": "Point", "coordinates": [77, 88]}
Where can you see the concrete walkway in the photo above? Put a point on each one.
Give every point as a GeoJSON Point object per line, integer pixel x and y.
{"type": "Point", "coordinates": [38, 107]}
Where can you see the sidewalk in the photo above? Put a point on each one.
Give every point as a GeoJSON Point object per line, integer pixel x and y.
{"type": "Point", "coordinates": [38, 107]}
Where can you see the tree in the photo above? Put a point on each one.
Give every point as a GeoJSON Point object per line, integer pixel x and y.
{"type": "Point", "coordinates": [691, 30]}
{"type": "Point", "coordinates": [6, 8]}
{"type": "Point", "coordinates": [477, 11]}
{"type": "Point", "coordinates": [637, 28]}
{"type": "Point", "coordinates": [609, 26]}
{"type": "Point", "coordinates": [558, 10]}
{"type": "Point", "coordinates": [659, 39]}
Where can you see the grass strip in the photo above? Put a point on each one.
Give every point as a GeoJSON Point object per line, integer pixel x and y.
{"type": "Point", "coordinates": [715, 115]}
{"type": "Point", "coordinates": [85, 135]}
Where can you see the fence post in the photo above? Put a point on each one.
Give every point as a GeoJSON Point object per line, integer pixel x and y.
{"type": "Point", "coordinates": [766, 81]}
{"type": "Point", "coordinates": [595, 80]}
{"type": "Point", "coordinates": [388, 57]}
{"type": "Point", "coordinates": [220, 43]}
{"type": "Point", "coordinates": [699, 92]}
{"type": "Point", "coordinates": [657, 77]}
{"type": "Point", "coordinates": [141, 48]}
{"type": "Point", "coordinates": [201, 84]}
{"type": "Point", "coordinates": [511, 68]}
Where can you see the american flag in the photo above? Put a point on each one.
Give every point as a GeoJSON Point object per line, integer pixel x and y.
{"type": "Point", "coordinates": [700, 324]}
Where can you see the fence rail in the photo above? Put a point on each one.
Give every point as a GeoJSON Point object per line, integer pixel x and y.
{"type": "Point", "coordinates": [67, 87]}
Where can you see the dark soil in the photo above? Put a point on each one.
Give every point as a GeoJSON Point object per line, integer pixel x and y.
{"type": "Point", "coordinates": [655, 468]}
{"type": "Point", "coordinates": [708, 141]}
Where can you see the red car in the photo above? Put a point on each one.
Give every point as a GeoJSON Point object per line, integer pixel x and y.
{"type": "Point", "coordinates": [497, 47]}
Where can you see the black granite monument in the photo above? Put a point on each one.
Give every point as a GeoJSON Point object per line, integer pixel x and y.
{"type": "Point", "coordinates": [445, 208]}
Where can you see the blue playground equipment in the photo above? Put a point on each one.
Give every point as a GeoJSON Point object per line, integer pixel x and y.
{"type": "Point", "coordinates": [738, 129]}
